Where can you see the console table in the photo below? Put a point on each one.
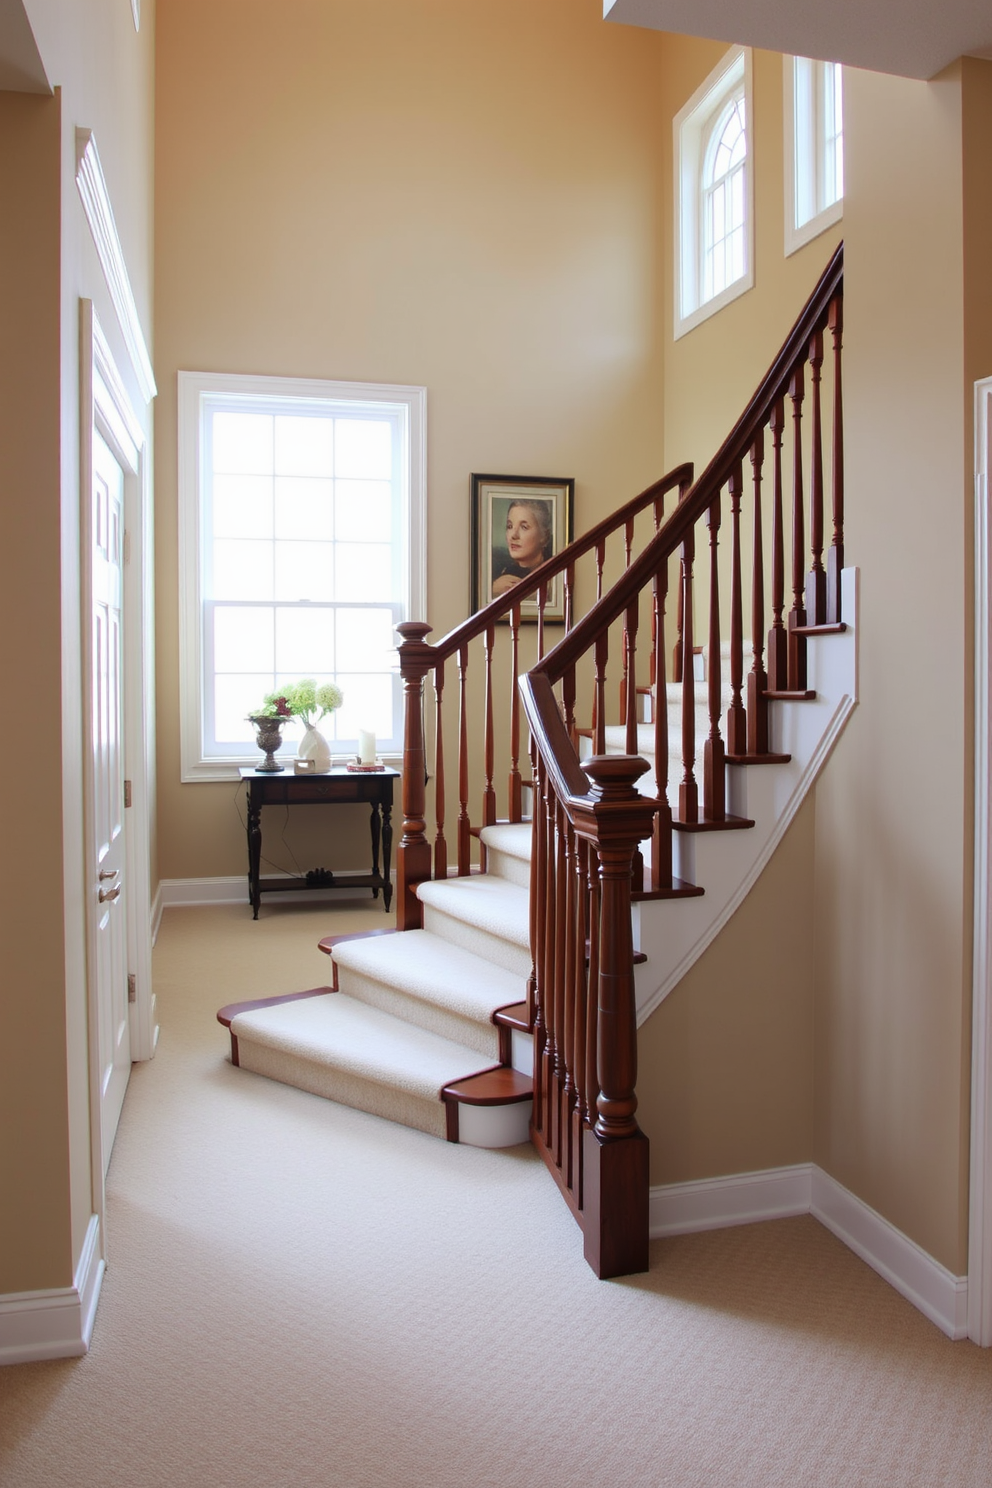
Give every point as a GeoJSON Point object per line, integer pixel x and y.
{"type": "Point", "coordinates": [337, 787]}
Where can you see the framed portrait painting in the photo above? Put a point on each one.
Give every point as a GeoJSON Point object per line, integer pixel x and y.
{"type": "Point", "coordinates": [518, 522]}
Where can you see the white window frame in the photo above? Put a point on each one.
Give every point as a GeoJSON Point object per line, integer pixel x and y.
{"type": "Point", "coordinates": [409, 403]}
{"type": "Point", "coordinates": [693, 129]}
{"type": "Point", "coordinates": [805, 151]}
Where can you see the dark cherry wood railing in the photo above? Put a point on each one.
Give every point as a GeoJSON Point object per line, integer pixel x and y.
{"type": "Point", "coordinates": [490, 649]}
{"type": "Point", "coordinates": [589, 817]}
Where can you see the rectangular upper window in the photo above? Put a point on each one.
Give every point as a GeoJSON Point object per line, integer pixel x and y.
{"type": "Point", "coordinates": [301, 550]}
{"type": "Point", "coordinates": [814, 148]}
{"type": "Point", "coordinates": [714, 233]}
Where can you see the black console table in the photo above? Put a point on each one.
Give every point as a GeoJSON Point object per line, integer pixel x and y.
{"type": "Point", "coordinates": [337, 787]}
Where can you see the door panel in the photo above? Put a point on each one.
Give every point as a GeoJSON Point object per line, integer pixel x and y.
{"type": "Point", "coordinates": [108, 921]}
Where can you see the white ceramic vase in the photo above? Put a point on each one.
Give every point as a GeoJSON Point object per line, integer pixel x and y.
{"type": "Point", "coordinates": [314, 746]}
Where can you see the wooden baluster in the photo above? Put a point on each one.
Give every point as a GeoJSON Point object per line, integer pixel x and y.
{"type": "Point", "coordinates": [592, 987]}
{"type": "Point", "coordinates": [569, 1094]}
{"type": "Point", "coordinates": [757, 682]}
{"type": "Point", "coordinates": [535, 986]}
{"type": "Point", "coordinates": [579, 931]}
{"type": "Point", "coordinates": [515, 784]}
{"type": "Point", "coordinates": [797, 615]}
{"type": "Point", "coordinates": [542, 600]}
{"type": "Point", "coordinates": [600, 564]}
{"type": "Point", "coordinates": [568, 703]}
{"type": "Point", "coordinates": [689, 788]}
{"type": "Point", "coordinates": [630, 677]}
{"type": "Point", "coordinates": [677, 653]}
{"type": "Point", "coordinates": [816, 579]}
{"type": "Point", "coordinates": [736, 713]}
{"type": "Point", "coordinates": [440, 844]}
{"type": "Point", "coordinates": [661, 842]}
{"type": "Point", "coordinates": [628, 541]}
{"type": "Point", "coordinates": [835, 555]}
{"type": "Point", "coordinates": [413, 856]}
{"type": "Point", "coordinates": [679, 627]}
{"type": "Point", "coordinates": [560, 940]}
{"type": "Point", "coordinates": [714, 753]}
{"type": "Point", "coordinates": [552, 1057]}
{"type": "Point", "coordinates": [615, 1150]}
{"type": "Point", "coordinates": [464, 821]}
{"type": "Point", "coordinates": [778, 640]}
{"type": "Point", "coordinates": [489, 792]}
{"type": "Point", "coordinates": [599, 695]}
{"type": "Point", "coordinates": [568, 581]}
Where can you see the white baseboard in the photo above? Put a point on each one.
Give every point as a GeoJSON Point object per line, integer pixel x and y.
{"type": "Point", "coordinates": [717, 1203]}
{"type": "Point", "coordinates": [54, 1324]}
{"type": "Point", "coordinates": [939, 1295]}
{"type": "Point", "coordinates": [776, 1193]}
{"type": "Point", "coordinates": [184, 892]}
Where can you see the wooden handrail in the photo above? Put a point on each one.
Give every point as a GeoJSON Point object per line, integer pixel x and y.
{"type": "Point", "coordinates": [734, 450]}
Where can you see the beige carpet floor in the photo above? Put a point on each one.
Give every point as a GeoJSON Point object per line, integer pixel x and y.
{"type": "Point", "coordinates": [302, 1295]}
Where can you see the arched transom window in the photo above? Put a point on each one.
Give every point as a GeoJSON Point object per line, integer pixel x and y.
{"type": "Point", "coordinates": [724, 199]}
{"type": "Point", "coordinates": [715, 228]}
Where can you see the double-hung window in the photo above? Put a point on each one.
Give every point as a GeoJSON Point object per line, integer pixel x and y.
{"type": "Point", "coordinates": [814, 148]}
{"type": "Point", "coordinates": [714, 216]}
{"type": "Point", "coordinates": [301, 543]}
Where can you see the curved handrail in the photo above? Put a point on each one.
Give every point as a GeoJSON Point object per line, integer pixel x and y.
{"type": "Point", "coordinates": [696, 501]}
{"type": "Point", "coordinates": [477, 624]}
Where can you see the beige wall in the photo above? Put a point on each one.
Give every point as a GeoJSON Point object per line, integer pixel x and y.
{"type": "Point", "coordinates": [104, 72]}
{"type": "Point", "coordinates": [34, 1170]}
{"type": "Point", "coordinates": [725, 1064]}
{"type": "Point", "coordinates": [462, 196]}
{"type": "Point", "coordinates": [894, 808]}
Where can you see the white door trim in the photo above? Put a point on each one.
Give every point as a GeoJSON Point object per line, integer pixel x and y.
{"type": "Point", "coordinates": [980, 1215]}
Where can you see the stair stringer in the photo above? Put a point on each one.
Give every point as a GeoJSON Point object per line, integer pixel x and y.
{"type": "Point", "coordinates": [674, 933]}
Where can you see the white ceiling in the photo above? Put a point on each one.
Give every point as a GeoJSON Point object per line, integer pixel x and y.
{"type": "Point", "coordinates": [915, 38]}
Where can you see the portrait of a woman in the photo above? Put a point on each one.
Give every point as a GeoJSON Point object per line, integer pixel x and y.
{"type": "Point", "coordinates": [518, 523]}
{"type": "Point", "coordinates": [528, 540]}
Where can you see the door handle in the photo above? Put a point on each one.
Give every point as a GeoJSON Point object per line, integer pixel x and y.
{"type": "Point", "coordinates": [106, 895]}
{"type": "Point", "coordinates": [106, 873]}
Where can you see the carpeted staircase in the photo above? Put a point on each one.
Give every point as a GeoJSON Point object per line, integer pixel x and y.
{"type": "Point", "coordinates": [423, 1027]}
{"type": "Point", "coordinates": [428, 1027]}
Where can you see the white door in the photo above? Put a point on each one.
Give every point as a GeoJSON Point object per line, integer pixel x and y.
{"type": "Point", "coordinates": [105, 760]}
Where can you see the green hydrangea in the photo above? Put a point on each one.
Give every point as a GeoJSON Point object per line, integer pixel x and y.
{"type": "Point", "coordinates": [311, 703]}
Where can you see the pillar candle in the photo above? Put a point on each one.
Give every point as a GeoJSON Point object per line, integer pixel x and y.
{"type": "Point", "coordinates": [366, 746]}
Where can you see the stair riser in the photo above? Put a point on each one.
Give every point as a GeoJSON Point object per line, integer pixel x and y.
{"type": "Point", "coordinates": [482, 1037]}
{"type": "Point", "coordinates": [494, 1126]}
{"type": "Point", "coordinates": [348, 1089]}
{"type": "Point", "coordinates": [503, 953]}
{"type": "Point", "coordinates": [503, 865]}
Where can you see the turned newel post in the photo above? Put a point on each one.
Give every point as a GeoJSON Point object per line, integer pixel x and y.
{"type": "Point", "coordinates": [413, 857]}
{"type": "Point", "coordinates": [614, 817]}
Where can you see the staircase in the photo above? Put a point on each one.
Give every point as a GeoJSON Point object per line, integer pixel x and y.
{"type": "Point", "coordinates": [427, 1028]}
{"type": "Point", "coordinates": [505, 1006]}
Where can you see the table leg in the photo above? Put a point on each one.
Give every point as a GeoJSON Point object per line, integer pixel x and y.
{"type": "Point", "coordinates": [374, 825]}
{"type": "Point", "coordinates": [387, 848]}
{"type": "Point", "coordinates": [254, 853]}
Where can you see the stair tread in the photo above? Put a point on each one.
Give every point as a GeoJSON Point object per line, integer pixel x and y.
{"type": "Point", "coordinates": [426, 967]}
{"type": "Point", "coordinates": [484, 902]}
{"type": "Point", "coordinates": [338, 1032]}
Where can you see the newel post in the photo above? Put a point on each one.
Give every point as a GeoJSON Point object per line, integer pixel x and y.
{"type": "Point", "coordinates": [615, 1150]}
{"type": "Point", "coordinates": [413, 857]}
